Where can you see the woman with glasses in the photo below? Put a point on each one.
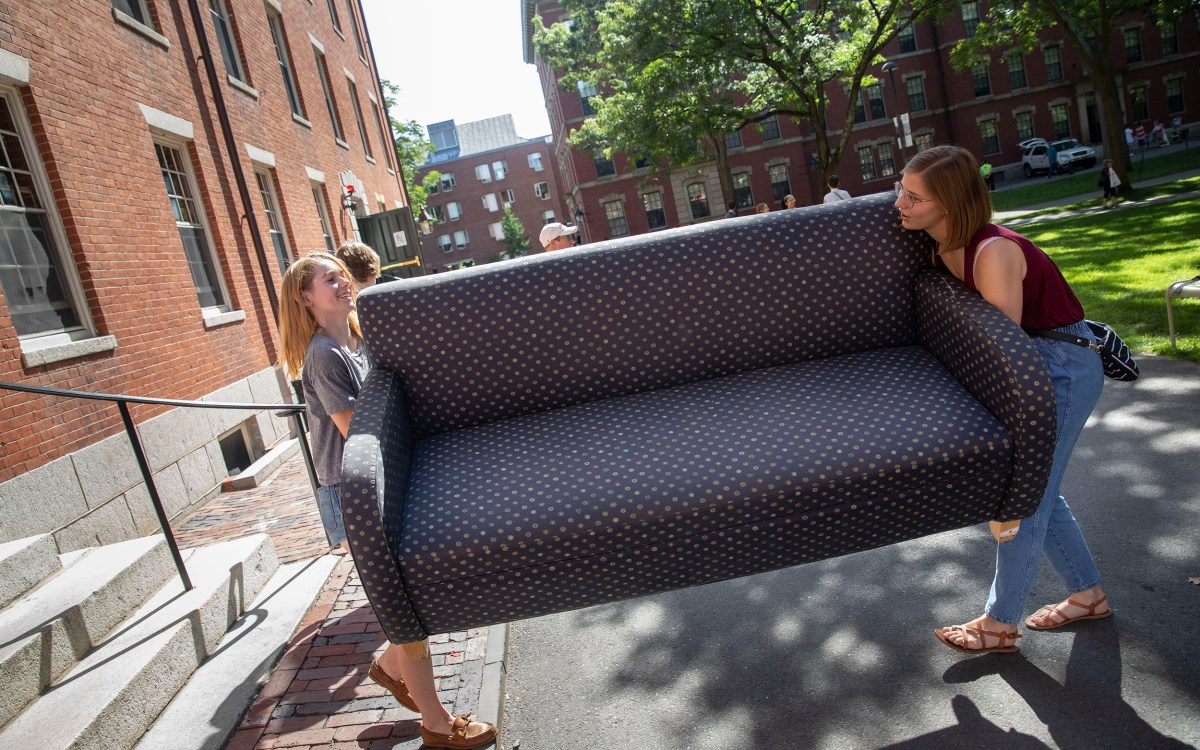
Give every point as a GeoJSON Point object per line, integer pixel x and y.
{"type": "Point", "coordinates": [943, 194]}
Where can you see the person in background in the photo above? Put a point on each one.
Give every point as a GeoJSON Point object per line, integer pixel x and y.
{"type": "Point", "coordinates": [1158, 134]}
{"type": "Point", "coordinates": [789, 201]}
{"type": "Point", "coordinates": [732, 212]}
{"type": "Point", "coordinates": [1139, 134]}
{"type": "Point", "coordinates": [1109, 182]}
{"type": "Point", "coordinates": [321, 343]}
{"type": "Point", "coordinates": [1176, 127]}
{"type": "Point", "coordinates": [985, 169]}
{"type": "Point", "coordinates": [1052, 166]}
{"type": "Point", "coordinates": [835, 193]}
{"type": "Point", "coordinates": [761, 208]}
{"type": "Point", "coordinates": [556, 236]}
{"type": "Point", "coordinates": [1129, 137]}
{"type": "Point", "coordinates": [942, 194]}
{"type": "Point", "coordinates": [362, 261]}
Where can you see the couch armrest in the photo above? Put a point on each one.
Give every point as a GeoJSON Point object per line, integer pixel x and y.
{"type": "Point", "coordinates": [374, 484]}
{"type": "Point", "coordinates": [995, 360]}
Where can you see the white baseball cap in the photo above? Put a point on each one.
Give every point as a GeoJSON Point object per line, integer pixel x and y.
{"type": "Point", "coordinates": [553, 231]}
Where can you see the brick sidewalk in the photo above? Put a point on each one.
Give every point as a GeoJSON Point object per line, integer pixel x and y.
{"type": "Point", "coordinates": [319, 695]}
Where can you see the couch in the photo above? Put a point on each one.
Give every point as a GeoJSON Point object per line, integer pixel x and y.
{"type": "Point", "coordinates": [677, 408]}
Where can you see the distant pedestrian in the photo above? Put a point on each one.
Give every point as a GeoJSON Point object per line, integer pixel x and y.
{"type": "Point", "coordinates": [362, 261]}
{"type": "Point", "coordinates": [1052, 166]}
{"type": "Point", "coordinates": [1176, 126]}
{"type": "Point", "coordinates": [1139, 134]}
{"type": "Point", "coordinates": [1109, 182]}
{"type": "Point", "coordinates": [761, 208]}
{"type": "Point", "coordinates": [1129, 136]}
{"type": "Point", "coordinates": [732, 212]}
{"type": "Point", "coordinates": [1158, 134]}
{"type": "Point", "coordinates": [789, 201]}
{"type": "Point", "coordinates": [985, 169]}
{"type": "Point", "coordinates": [835, 193]}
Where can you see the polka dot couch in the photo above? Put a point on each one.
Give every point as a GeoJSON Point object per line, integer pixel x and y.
{"type": "Point", "coordinates": [680, 407]}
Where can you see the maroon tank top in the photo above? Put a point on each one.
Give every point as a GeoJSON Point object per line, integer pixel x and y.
{"type": "Point", "coordinates": [1048, 301]}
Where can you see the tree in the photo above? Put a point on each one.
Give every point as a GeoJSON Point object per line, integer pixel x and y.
{"type": "Point", "coordinates": [676, 76]}
{"type": "Point", "coordinates": [515, 238]}
{"type": "Point", "coordinates": [1089, 27]}
{"type": "Point", "coordinates": [412, 151]}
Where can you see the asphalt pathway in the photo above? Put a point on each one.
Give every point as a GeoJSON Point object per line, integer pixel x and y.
{"type": "Point", "coordinates": [840, 654]}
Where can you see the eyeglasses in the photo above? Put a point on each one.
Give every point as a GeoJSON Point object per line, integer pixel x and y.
{"type": "Point", "coordinates": [906, 195]}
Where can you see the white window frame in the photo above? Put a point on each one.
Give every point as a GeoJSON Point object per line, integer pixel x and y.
{"type": "Point", "coordinates": [384, 141]}
{"type": "Point", "coordinates": [318, 189]}
{"type": "Point", "coordinates": [509, 196]}
{"type": "Point", "coordinates": [496, 230]}
{"type": "Point", "coordinates": [219, 11]}
{"type": "Point", "coordinates": [500, 169]}
{"type": "Point", "coordinates": [466, 239]}
{"type": "Point", "coordinates": [483, 173]}
{"type": "Point", "coordinates": [535, 161]}
{"type": "Point", "coordinates": [447, 182]}
{"type": "Point", "coordinates": [490, 203]}
{"type": "Point", "coordinates": [454, 210]}
{"type": "Point", "coordinates": [287, 69]}
{"type": "Point", "coordinates": [352, 88]}
{"type": "Point", "coordinates": [542, 190]}
{"type": "Point", "coordinates": [447, 246]}
{"type": "Point", "coordinates": [330, 102]}
{"type": "Point", "coordinates": [548, 217]}
{"type": "Point", "coordinates": [270, 200]}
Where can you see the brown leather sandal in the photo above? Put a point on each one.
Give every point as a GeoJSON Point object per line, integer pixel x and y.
{"type": "Point", "coordinates": [1057, 619]}
{"type": "Point", "coordinates": [397, 687]}
{"type": "Point", "coordinates": [999, 648]}
{"type": "Point", "coordinates": [458, 739]}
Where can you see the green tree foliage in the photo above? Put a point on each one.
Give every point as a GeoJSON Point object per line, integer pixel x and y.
{"type": "Point", "coordinates": [515, 239]}
{"type": "Point", "coordinates": [412, 150]}
{"type": "Point", "coordinates": [675, 76]}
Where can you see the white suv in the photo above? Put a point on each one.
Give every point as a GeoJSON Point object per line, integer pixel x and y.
{"type": "Point", "coordinates": [1071, 155]}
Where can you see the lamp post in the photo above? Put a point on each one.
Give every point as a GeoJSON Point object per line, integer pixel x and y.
{"type": "Point", "coordinates": [890, 68]}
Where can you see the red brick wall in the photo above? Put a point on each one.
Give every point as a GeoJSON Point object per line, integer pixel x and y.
{"type": "Point", "coordinates": [88, 74]}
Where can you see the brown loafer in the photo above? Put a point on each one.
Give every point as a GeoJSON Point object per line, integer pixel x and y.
{"type": "Point", "coordinates": [396, 687]}
{"type": "Point", "coordinates": [458, 739]}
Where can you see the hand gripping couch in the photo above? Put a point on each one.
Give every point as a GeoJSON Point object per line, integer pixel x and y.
{"type": "Point", "coordinates": [676, 408]}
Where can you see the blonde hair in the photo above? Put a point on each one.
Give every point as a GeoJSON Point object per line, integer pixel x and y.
{"type": "Point", "coordinates": [296, 323]}
{"type": "Point", "coordinates": [361, 259]}
{"type": "Point", "coordinates": [952, 178]}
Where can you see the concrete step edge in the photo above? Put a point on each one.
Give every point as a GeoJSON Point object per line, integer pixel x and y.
{"type": "Point", "coordinates": [114, 694]}
{"type": "Point", "coordinates": [24, 563]}
{"type": "Point", "coordinates": [255, 473]}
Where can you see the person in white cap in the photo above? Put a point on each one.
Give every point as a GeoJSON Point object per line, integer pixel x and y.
{"type": "Point", "coordinates": [557, 236]}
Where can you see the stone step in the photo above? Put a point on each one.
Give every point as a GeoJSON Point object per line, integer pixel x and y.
{"type": "Point", "coordinates": [24, 563]}
{"type": "Point", "coordinates": [45, 632]}
{"type": "Point", "coordinates": [112, 696]}
{"type": "Point", "coordinates": [257, 472]}
{"type": "Point", "coordinates": [207, 711]}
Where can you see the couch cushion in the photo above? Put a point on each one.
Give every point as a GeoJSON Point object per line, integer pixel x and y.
{"type": "Point", "coordinates": [647, 312]}
{"type": "Point", "coordinates": [668, 465]}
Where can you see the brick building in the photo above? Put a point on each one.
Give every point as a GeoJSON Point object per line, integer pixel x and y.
{"type": "Point", "coordinates": [988, 109]}
{"type": "Point", "coordinates": [485, 166]}
{"type": "Point", "coordinates": [127, 251]}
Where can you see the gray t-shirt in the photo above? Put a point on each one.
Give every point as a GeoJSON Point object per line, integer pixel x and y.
{"type": "Point", "coordinates": [332, 377]}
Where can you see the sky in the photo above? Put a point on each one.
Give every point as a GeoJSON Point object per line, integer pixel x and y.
{"type": "Point", "coordinates": [487, 76]}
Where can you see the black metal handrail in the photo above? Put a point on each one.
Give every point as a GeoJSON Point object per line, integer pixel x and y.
{"type": "Point", "coordinates": [292, 411]}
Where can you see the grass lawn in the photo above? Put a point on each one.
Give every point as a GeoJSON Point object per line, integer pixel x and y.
{"type": "Point", "coordinates": [1120, 262]}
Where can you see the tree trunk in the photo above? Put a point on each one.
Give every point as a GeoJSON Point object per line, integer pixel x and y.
{"type": "Point", "coordinates": [724, 174]}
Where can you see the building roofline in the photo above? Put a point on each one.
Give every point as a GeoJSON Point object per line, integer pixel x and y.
{"type": "Point", "coordinates": [527, 12]}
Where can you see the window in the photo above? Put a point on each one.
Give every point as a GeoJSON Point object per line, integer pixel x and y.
{"type": "Point", "coordinates": [1138, 104]}
{"type": "Point", "coordinates": [923, 141]}
{"type": "Point", "coordinates": [483, 173]}
{"type": "Point", "coordinates": [989, 136]}
{"type": "Point", "coordinates": [285, 62]}
{"type": "Point", "coordinates": [535, 162]}
{"type": "Point", "coordinates": [887, 162]}
{"type": "Point", "coordinates": [770, 128]}
{"type": "Point", "coordinates": [780, 184]}
{"type": "Point", "coordinates": [614, 212]}
{"type": "Point", "coordinates": [741, 190]}
{"type": "Point", "coordinates": [547, 217]}
{"type": "Point", "coordinates": [866, 162]}
{"type": "Point", "coordinates": [447, 181]}
{"type": "Point", "coordinates": [490, 203]}
{"type": "Point", "coordinates": [323, 74]}
{"type": "Point", "coordinates": [333, 16]}
{"type": "Point", "coordinates": [733, 140]}
{"type": "Point", "coordinates": [461, 239]}
{"type": "Point", "coordinates": [698, 198]}
{"type": "Point", "coordinates": [1174, 95]}
{"type": "Point", "coordinates": [500, 168]}
{"type": "Point", "coordinates": [496, 230]}
{"type": "Point", "coordinates": [176, 174]}
{"type": "Point", "coordinates": [586, 92]}
{"type": "Point", "coordinates": [444, 139]}
{"type": "Point", "coordinates": [1016, 71]}
{"type": "Point", "coordinates": [860, 112]}
{"type": "Point", "coordinates": [31, 260]}
{"type": "Point", "coordinates": [224, 30]}
{"type": "Point", "coordinates": [970, 14]}
{"type": "Point", "coordinates": [266, 193]}
{"type": "Point", "coordinates": [655, 216]}
{"type": "Point", "coordinates": [1024, 125]}
{"type": "Point", "coordinates": [384, 142]}
{"type": "Point", "coordinates": [1170, 37]}
{"type": "Point", "coordinates": [1053, 58]}
{"type": "Point", "coordinates": [358, 42]}
{"type": "Point", "coordinates": [438, 213]}
{"type": "Point", "coordinates": [1133, 45]}
{"type": "Point", "coordinates": [980, 80]}
{"type": "Point", "coordinates": [135, 9]}
{"type": "Point", "coordinates": [509, 196]}
{"type": "Point", "coordinates": [604, 165]}
{"type": "Point", "coordinates": [542, 190]}
{"type": "Point", "coordinates": [358, 118]}
{"type": "Point", "coordinates": [323, 217]}
{"type": "Point", "coordinates": [445, 243]}
{"type": "Point", "coordinates": [1058, 118]}
{"type": "Point", "coordinates": [875, 97]}
{"type": "Point", "coordinates": [915, 87]}
{"type": "Point", "coordinates": [907, 36]}
{"type": "Point", "coordinates": [454, 210]}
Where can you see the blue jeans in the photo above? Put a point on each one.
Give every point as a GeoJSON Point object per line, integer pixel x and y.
{"type": "Point", "coordinates": [1078, 379]}
{"type": "Point", "coordinates": [329, 503]}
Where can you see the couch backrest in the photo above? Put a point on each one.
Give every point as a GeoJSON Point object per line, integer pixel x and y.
{"type": "Point", "coordinates": [646, 312]}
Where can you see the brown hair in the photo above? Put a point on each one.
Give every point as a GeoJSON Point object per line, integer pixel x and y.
{"type": "Point", "coordinates": [362, 261]}
{"type": "Point", "coordinates": [296, 323]}
{"type": "Point", "coordinates": [952, 178]}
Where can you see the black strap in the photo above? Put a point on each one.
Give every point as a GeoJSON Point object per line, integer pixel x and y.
{"type": "Point", "coordinates": [1067, 337]}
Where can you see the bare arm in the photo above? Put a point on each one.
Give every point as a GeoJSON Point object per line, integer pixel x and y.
{"type": "Point", "coordinates": [999, 271]}
{"type": "Point", "coordinates": [342, 420]}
